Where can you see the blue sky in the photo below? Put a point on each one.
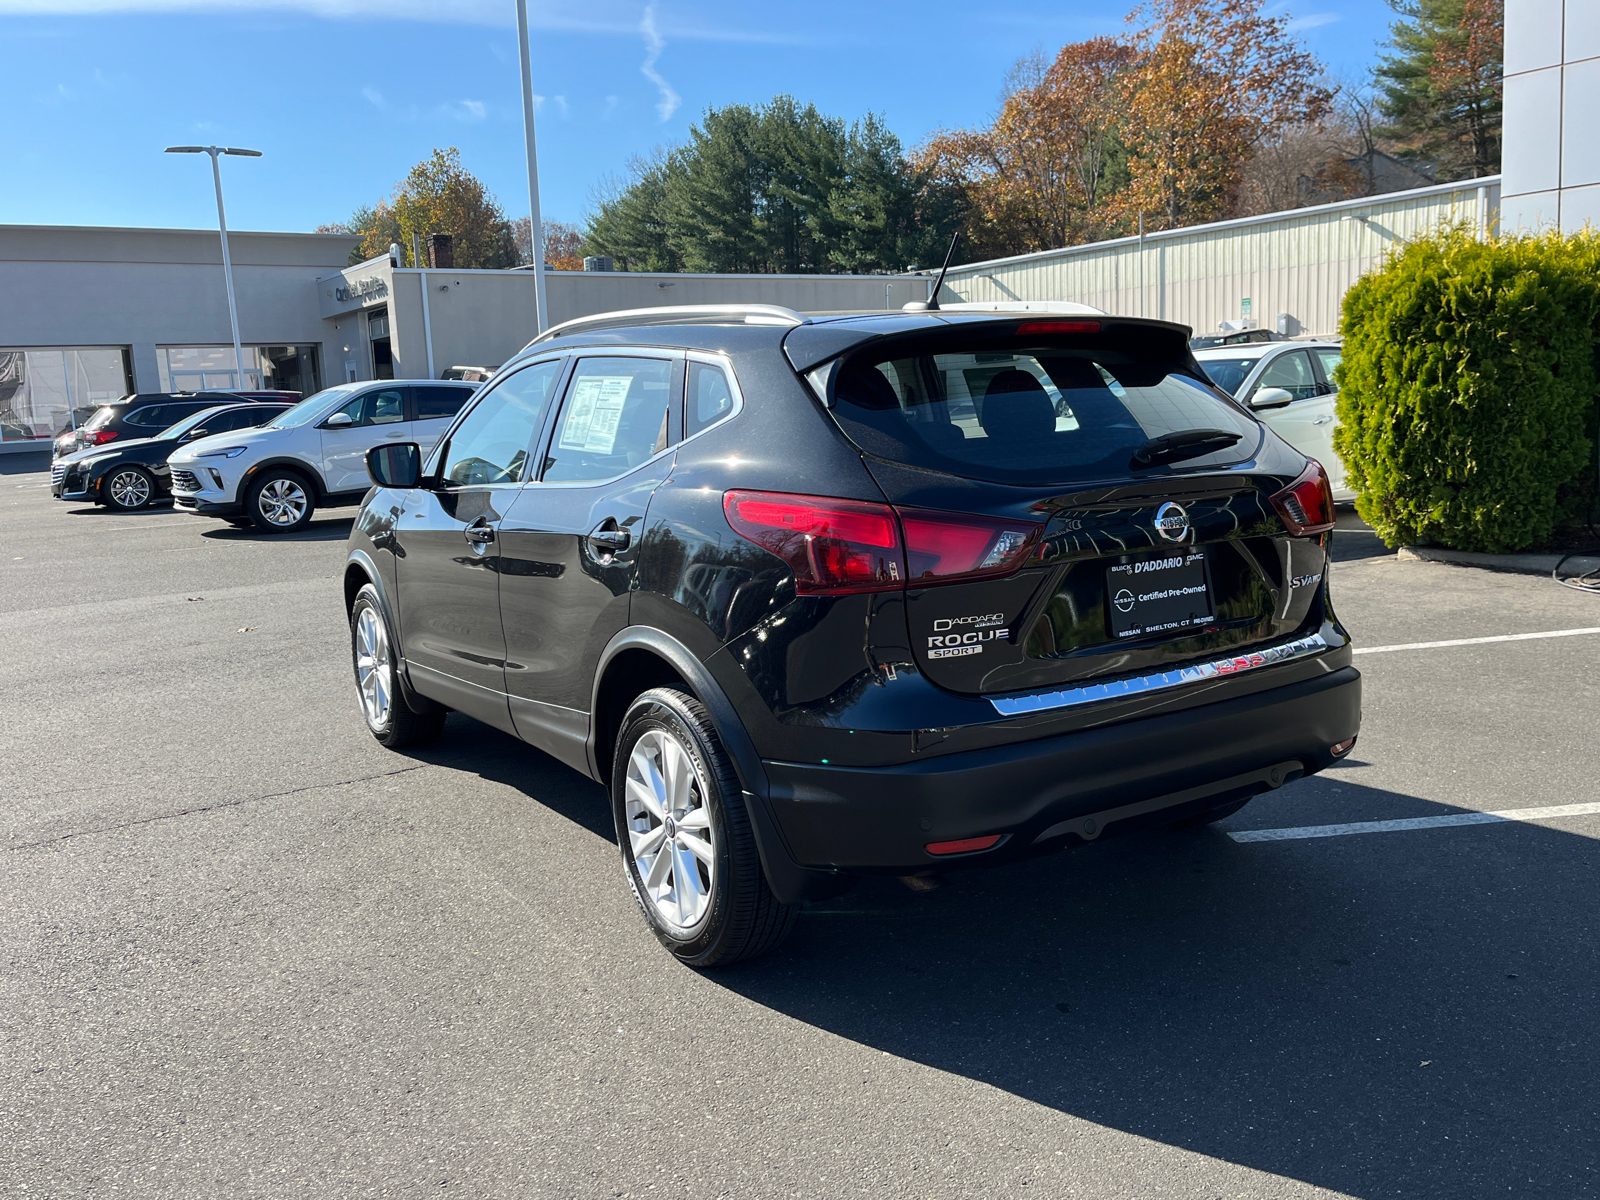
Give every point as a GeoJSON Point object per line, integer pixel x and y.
{"type": "Point", "coordinates": [343, 96]}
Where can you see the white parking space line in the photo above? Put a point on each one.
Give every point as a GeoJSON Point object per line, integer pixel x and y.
{"type": "Point", "coordinates": [1504, 816]}
{"type": "Point", "coordinates": [1504, 637]}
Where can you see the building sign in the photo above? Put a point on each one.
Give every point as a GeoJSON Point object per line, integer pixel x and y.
{"type": "Point", "coordinates": [361, 291]}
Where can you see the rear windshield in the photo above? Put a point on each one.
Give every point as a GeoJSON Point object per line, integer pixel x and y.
{"type": "Point", "coordinates": [1029, 413]}
{"type": "Point", "coordinates": [101, 418]}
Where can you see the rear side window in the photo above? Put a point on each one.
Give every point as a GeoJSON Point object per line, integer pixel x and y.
{"type": "Point", "coordinates": [1028, 414]}
{"type": "Point", "coordinates": [157, 416]}
{"type": "Point", "coordinates": [709, 398]}
{"type": "Point", "coordinates": [434, 402]}
{"type": "Point", "coordinates": [614, 419]}
{"type": "Point", "coordinates": [1329, 359]}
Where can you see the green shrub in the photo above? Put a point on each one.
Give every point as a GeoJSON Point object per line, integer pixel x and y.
{"type": "Point", "coordinates": [1467, 388]}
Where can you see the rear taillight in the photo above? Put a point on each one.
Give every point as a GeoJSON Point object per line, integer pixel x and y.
{"type": "Point", "coordinates": [831, 545]}
{"type": "Point", "coordinates": [943, 547]}
{"type": "Point", "coordinates": [1306, 505]}
{"type": "Point", "coordinates": [101, 436]}
{"type": "Point", "coordinates": [836, 546]}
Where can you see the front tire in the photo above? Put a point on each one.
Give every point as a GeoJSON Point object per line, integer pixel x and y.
{"type": "Point", "coordinates": [279, 502]}
{"type": "Point", "coordinates": [128, 489]}
{"type": "Point", "coordinates": [389, 716]}
{"type": "Point", "coordinates": [687, 846]}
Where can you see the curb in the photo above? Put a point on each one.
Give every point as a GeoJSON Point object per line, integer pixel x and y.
{"type": "Point", "coordinates": [1525, 564]}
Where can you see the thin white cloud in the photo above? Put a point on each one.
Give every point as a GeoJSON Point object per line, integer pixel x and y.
{"type": "Point", "coordinates": [557, 16]}
{"type": "Point", "coordinates": [1313, 21]}
{"type": "Point", "coordinates": [561, 103]}
{"type": "Point", "coordinates": [611, 107]}
{"type": "Point", "coordinates": [654, 45]}
{"type": "Point", "coordinates": [466, 111]}
{"type": "Point", "coordinates": [374, 96]}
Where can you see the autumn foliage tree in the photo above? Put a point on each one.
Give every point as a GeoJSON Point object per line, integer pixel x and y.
{"type": "Point", "coordinates": [1213, 78]}
{"type": "Point", "coordinates": [438, 195]}
{"type": "Point", "coordinates": [1157, 124]}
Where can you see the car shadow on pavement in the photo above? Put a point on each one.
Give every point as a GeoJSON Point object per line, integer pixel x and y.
{"type": "Point", "coordinates": [334, 529]}
{"type": "Point", "coordinates": [482, 750]}
{"type": "Point", "coordinates": [1393, 1015]}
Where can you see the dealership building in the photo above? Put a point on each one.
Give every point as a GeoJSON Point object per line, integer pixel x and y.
{"type": "Point", "coordinates": [91, 314]}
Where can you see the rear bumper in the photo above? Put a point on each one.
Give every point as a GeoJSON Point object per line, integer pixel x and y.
{"type": "Point", "coordinates": [1038, 794]}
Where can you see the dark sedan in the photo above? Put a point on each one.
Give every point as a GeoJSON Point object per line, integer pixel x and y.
{"type": "Point", "coordinates": [134, 474]}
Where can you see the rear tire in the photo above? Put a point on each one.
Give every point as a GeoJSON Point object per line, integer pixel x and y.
{"type": "Point", "coordinates": [128, 489]}
{"type": "Point", "coordinates": [390, 717]}
{"type": "Point", "coordinates": [687, 847]}
{"type": "Point", "coordinates": [279, 501]}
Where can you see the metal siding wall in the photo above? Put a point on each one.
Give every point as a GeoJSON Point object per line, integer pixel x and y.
{"type": "Point", "coordinates": [1300, 262]}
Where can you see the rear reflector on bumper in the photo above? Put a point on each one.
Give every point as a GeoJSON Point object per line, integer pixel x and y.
{"type": "Point", "coordinates": [1016, 706]}
{"type": "Point", "coordinates": [965, 845]}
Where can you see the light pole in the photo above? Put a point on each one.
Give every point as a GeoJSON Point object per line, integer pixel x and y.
{"type": "Point", "coordinates": [535, 226]}
{"type": "Point", "coordinates": [222, 223]}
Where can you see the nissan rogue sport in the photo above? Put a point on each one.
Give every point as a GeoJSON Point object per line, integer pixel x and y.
{"type": "Point", "coordinates": [891, 593]}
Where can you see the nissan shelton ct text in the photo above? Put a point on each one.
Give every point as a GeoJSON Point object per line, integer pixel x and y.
{"type": "Point", "coordinates": [889, 593]}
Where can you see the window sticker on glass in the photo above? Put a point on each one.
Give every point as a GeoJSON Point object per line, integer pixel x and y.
{"type": "Point", "coordinates": [596, 410]}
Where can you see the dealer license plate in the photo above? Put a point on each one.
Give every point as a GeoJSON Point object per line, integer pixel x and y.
{"type": "Point", "coordinates": [1159, 595]}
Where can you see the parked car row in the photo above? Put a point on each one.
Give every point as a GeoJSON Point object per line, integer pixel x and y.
{"type": "Point", "coordinates": [271, 464]}
{"type": "Point", "coordinates": [145, 414]}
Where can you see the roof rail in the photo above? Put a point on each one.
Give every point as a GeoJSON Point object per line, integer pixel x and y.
{"type": "Point", "coordinates": [678, 314]}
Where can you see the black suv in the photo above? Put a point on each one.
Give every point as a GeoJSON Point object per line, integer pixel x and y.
{"type": "Point", "coordinates": [139, 416]}
{"type": "Point", "coordinates": [887, 593]}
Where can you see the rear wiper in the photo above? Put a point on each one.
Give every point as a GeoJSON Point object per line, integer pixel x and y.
{"type": "Point", "coordinates": [1185, 443]}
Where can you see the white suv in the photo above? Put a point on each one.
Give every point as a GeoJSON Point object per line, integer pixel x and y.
{"type": "Point", "coordinates": [312, 456]}
{"type": "Point", "coordinates": [1289, 385]}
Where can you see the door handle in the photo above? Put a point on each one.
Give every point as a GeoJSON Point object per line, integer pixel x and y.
{"type": "Point", "coordinates": [609, 541]}
{"type": "Point", "coordinates": [1322, 420]}
{"type": "Point", "coordinates": [478, 535]}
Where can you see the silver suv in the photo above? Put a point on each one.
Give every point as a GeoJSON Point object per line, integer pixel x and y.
{"type": "Point", "coordinates": [312, 456]}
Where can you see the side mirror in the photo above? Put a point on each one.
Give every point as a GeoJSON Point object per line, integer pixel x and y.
{"type": "Point", "coordinates": [195, 433]}
{"type": "Point", "coordinates": [397, 465]}
{"type": "Point", "coordinates": [339, 420]}
{"type": "Point", "coordinates": [1271, 398]}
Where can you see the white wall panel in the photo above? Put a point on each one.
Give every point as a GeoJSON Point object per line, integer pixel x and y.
{"type": "Point", "coordinates": [1533, 34]}
{"type": "Point", "coordinates": [1531, 154]}
{"type": "Point", "coordinates": [1580, 130]}
{"type": "Point", "coordinates": [1583, 30]}
{"type": "Point", "coordinates": [1300, 263]}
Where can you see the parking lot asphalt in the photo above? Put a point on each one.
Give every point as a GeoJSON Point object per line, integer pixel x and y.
{"type": "Point", "coordinates": [245, 951]}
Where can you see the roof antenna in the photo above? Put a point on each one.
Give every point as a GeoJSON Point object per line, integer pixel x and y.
{"type": "Point", "coordinates": [932, 304]}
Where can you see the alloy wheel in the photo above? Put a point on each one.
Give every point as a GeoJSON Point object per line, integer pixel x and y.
{"type": "Point", "coordinates": [373, 674]}
{"type": "Point", "coordinates": [130, 489]}
{"type": "Point", "coordinates": [282, 501]}
{"type": "Point", "coordinates": [672, 839]}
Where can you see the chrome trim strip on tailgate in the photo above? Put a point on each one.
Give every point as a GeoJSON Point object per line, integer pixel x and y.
{"type": "Point", "coordinates": [1119, 689]}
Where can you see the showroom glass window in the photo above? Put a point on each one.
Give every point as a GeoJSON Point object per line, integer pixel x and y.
{"type": "Point", "coordinates": [46, 392]}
